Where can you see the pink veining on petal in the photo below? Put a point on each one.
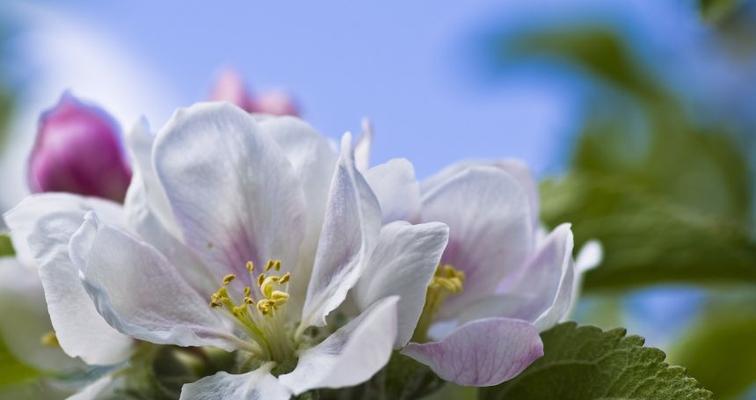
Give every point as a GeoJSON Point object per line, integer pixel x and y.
{"type": "Point", "coordinates": [484, 352]}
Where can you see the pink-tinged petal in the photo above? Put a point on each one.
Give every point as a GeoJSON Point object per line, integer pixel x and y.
{"type": "Point", "coordinates": [397, 190]}
{"type": "Point", "coordinates": [363, 146]}
{"type": "Point", "coordinates": [41, 227]}
{"type": "Point", "coordinates": [233, 192]}
{"type": "Point", "coordinates": [137, 290]}
{"type": "Point", "coordinates": [149, 214]}
{"type": "Point", "coordinates": [490, 229]}
{"type": "Point", "coordinates": [547, 281]}
{"type": "Point", "coordinates": [350, 232]}
{"type": "Point", "coordinates": [256, 385]}
{"type": "Point", "coordinates": [351, 355]}
{"type": "Point", "coordinates": [403, 264]}
{"type": "Point", "coordinates": [485, 352]}
{"type": "Point", "coordinates": [517, 169]}
{"type": "Point", "coordinates": [542, 293]}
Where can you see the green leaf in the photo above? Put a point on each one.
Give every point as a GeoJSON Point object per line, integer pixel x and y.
{"type": "Point", "coordinates": [6, 247]}
{"type": "Point", "coordinates": [13, 371]}
{"type": "Point", "coordinates": [648, 238]}
{"type": "Point", "coordinates": [721, 352]}
{"type": "Point", "coordinates": [402, 379]}
{"type": "Point", "coordinates": [586, 363]}
{"type": "Point", "coordinates": [717, 10]}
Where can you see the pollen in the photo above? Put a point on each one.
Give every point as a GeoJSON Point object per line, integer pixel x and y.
{"type": "Point", "coordinates": [272, 292]}
{"type": "Point", "coordinates": [447, 278]}
{"type": "Point", "coordinates": [257, 309]}
{"type": "Point", "coordinates": [49, 339]}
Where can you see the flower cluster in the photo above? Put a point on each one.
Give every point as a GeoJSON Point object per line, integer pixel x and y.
{"type": "Point", "coordinates": [255, 236]}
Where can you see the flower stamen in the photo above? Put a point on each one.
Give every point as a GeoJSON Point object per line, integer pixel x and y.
{"type": "Point", "coordinates": [446, 281]}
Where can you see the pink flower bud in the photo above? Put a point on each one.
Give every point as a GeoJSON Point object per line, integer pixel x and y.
{"type": "Point", "coordinates": [275, 102]}
{"type": "Point", "coordinates": [77, 150]}
{"type": "Point", "coordinates": [231, 87]}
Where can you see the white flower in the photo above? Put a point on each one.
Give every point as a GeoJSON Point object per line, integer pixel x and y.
{"type": "Point", "coordinates": [245, 235]}
{"type": "Point", "coordinates": [500, 281]}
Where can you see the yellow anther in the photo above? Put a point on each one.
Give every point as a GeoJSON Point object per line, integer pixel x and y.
{"type": "Point", "coordinates": [239, 311]}
{"type": "Point", "coordinates": [273, 264]}
{"type": "Point", "coordinates": [445, 282]}
{"type": "Point", "coordinates": [50, 339]}
{"type": "Point", "coordinates": [250, 266]}
{"type": "Point", "coordinates": [228, 279]}
{"type": "Point", "coordinates": [260, 279]}
{"type": "Point", "coordinates": [249, 301]}
{"type": "Point", "coordinates": [247, 291]}
{"type": "Point", "coordinates": [265, 306]}
{"type": "Point", "coordinates": [279, 297]}
{"type": "Point", "coordinates": [285, 278]}
{"type": "Point", "coordinates": [267, 285]}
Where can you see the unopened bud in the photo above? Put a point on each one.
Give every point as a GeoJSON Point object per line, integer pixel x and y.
{"type": "Point", "coordinates": [275, 102]}
{"type": "Point", "coordinates": [230, 87]}
{"type": "Point", "coordinates": [78, 150]}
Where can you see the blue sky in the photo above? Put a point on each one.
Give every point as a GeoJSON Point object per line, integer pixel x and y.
{"type": "Point", "coordinates": [412, 67]}
{"type": "Point", "coordinates": [406, 65]}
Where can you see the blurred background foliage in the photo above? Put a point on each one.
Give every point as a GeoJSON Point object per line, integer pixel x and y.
{"type": "Point", "coordinates": [664, 182]}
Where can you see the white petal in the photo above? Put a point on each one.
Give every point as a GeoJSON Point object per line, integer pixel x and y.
{"type": "Point", "coordinates": [481, 353]}
{"type": "Point", "coordinates": [490, 229]}
{"type": "Point", "coordinates": [22, 219]}
{"type": "Point", "coordinates": [350, 231]}
{"type": "Point", "coordinates": [588, 258]}
{"type": "Point", "coordinates": [256, 385]}
{"type": "Point", "coordinates": [146, 193]}
{"type": "Point", "coordinates": [94, 389]}
{"type": "Point", "coordinates": [351, 355]}
{"type": "Point", "coordinates": [25, 321]}
{"type": "Point", "coordinates": [396, 188]}
{"type": "Point", "coordinates": [45, 224]}
{"type": "Point", "coordinates": [313, 160]}
{"type": "Point", "coordinates": [232, 190]}
{"type": "Point", "coordinates": [403, 264]}
{"type": "Point", "coordinates": [549, 279]}
{"type": "Point", "coordinates": [363, 147]}
{"type": "Point", "coordinates": [140, 293]}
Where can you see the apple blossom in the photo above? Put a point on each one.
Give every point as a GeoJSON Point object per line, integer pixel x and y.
{"type": "Point", "coordinates": [500, 280]}
{"type": "Point", "coordinates": [243, 234]}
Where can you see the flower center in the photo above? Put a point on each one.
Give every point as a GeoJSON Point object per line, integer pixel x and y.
{"type": "Point", "coordinates": [446, 281]}
{"type": "Point", "coordinates": [261, 311]}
